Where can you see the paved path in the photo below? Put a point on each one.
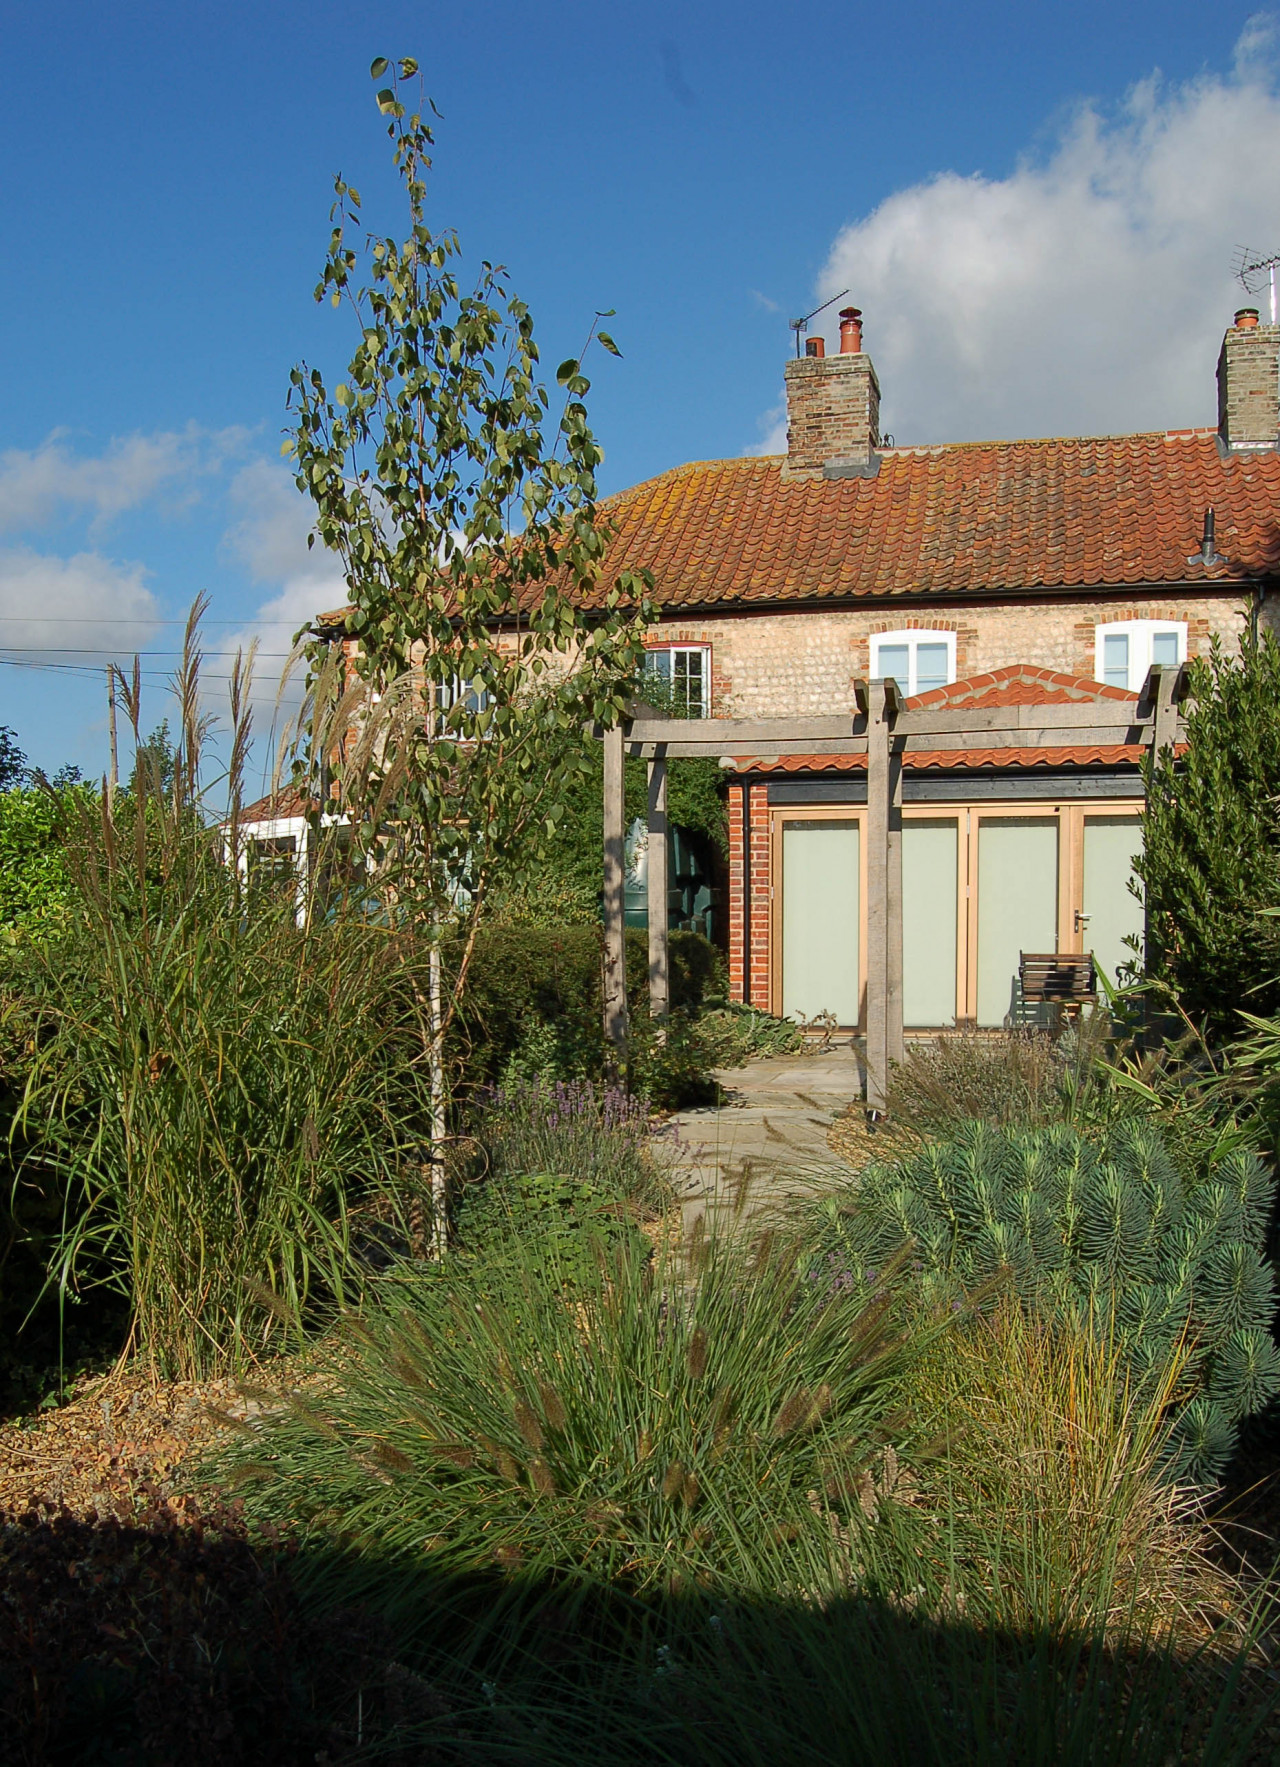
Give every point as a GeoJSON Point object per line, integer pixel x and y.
{"type": "Point", "coordinates": [768, 1141]}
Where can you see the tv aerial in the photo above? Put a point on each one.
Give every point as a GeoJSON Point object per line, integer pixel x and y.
{"type": "Point", "coordinates": [1257, 274]}
{"type": "Point", "coordinates": [800, 326]}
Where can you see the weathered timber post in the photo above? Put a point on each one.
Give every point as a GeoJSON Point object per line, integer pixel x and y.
{"type": "Point", "coordinates": [1164, 709]}
{"type": "Point", "coordinates": [615, 955]}
{"type": "Point", "coordinates": [659, 932]}
{"type": "Point", "coordinates": [1160, 691]}
{"type": "Point", "coordinates": [884, 891]}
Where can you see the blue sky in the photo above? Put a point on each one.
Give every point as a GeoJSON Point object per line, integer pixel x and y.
{"type": "Point", "coordinates": [1034, 204]}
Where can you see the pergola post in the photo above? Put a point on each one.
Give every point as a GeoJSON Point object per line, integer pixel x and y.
{"type": "Point", "coordinates": [884, 892]}
{"type": "Point", "coordinates": [659, 930]}
{"type": "Point", "coordinates": [615, 955]}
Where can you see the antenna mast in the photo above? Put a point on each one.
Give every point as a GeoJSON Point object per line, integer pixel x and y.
{"type": "Point", "coordinates": [1255, 273]}
{"type": "Point", "coordinates": [800, 326]}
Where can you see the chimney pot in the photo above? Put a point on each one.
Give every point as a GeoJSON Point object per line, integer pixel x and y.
{"type": "Point", "coordinates": [815, 346]}
{"type": "Point", "coordinates": [1247, 318]}
{"type": "Point", "coordinates": [850, 331]}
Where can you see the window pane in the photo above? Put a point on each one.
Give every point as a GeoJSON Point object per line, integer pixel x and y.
{"type": "Point", "coordinates": [820, 920]}
{"type": "Point", "coordinates": [929, 923]}
{"type": "Point", "coordinates": [658, 662]}
{"type": "Point", "coordinates": [931, 667]}
{"type": "Point", "coordinates": [892, 659]}
{"type": "Point", "coordinates": [1017, 905]}
{"type": "Point", "coordinates": [1164, 648]}
{"type": "Point", "coordinates": [688, 678]}
{"type": "Point", "coordinates": [1115, 659]}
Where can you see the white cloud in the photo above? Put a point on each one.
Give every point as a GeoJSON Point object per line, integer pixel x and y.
{"type": "Point", "coordinates": [268, 537]}
{"type": "Point", "coordinates": [1087, 292]}
{"type": "Point", "coordinates": [67, 606]}
{"type": "Point", "coordinates": [36, 483]}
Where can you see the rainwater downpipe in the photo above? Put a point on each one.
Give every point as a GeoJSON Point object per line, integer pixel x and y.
{"type": "Point", "coordinates": [746, 893]}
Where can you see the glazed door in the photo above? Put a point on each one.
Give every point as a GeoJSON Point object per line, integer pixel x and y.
{"type": "Point", "coordinates": [1111, 913]}
{"type": "Point", "coordinates": [929, 873]}
{"type": "Point", "coordinates": [820, 920]}
{"type": "Point", "coordinates": [1017, 904]}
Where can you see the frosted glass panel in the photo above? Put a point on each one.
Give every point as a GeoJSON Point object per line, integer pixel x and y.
{"type": "Point", "coordinates": [1110, 843]}
{"type": "Point", "coordinates": [1164, 648]}
{"type": "Point", "coordinates": [929, 923]}
{"type": "Point", "coordinates": [1017, 904]}
{"type": "Point", "coordinates": [931, 667]}
{"type": "Point", "coordinates": [895, 660]}
{"type": "Point", "coordinates": [820, 919]}
{"type": "Point", "coordinates": [1115, 659]}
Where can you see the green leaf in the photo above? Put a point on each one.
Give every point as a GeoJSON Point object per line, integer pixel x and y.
{"type": "Point", "coordinates": [566, 371]}
{"type": "Point", "coordinates": [378, 67]}
{"type": "Point", "coordinates": [608, 343]}
{"type": "Point", "coordinates": [408, 67]}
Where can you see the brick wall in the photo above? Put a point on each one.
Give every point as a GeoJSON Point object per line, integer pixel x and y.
{"type": "Point", "coordinates": [1249, 386]}
{"type": "Point", "coordinates": [833, 412]}
{"type": "Point", "coordinates": [792, 664]}
{"type": "Point", "coordinates": [758, 793]}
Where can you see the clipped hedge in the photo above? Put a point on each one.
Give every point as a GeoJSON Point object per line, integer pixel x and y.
{"type": "Point", "coordinates": [538, 989]}
{"type": "Point", "coordinates": [1111, 1228]}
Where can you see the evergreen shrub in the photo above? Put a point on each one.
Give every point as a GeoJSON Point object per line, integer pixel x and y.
{"type": "Point", "coordinates": [533, 1003]}
{"type": "Point", "coordinates": [1108, 1229]}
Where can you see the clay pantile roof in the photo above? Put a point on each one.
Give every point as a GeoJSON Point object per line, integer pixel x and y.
{"type": "Point", "coordinates": [920, 760]}
{"type": "Point", "coordinates": [967, 518]}
{"type": "Point", "coordinates": [277, 806]}
{"type": "Point", "coordinates": [1018, 684]}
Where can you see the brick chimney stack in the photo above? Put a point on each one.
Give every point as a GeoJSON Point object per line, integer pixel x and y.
{"type": "Point", "coordinates": [833, 408]}
{"type": "Point", "coordinates": [1249, 384]}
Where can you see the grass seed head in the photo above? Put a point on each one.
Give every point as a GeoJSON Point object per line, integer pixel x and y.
{"type": "Point", "coordinates": [528, 1425]}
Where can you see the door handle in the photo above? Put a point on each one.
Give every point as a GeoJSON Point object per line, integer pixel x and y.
{"type": "Point", "coordinates": [1082, 920]}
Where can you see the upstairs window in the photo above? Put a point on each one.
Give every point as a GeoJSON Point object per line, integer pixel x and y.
{"type": "Point", "coordinates": [458, 692]}
{"type": "Point", "coordinates": [685, 671]}
{"type": "Point", "coordinates": [917, 661]}
{"type": "Point", "coordinates": [1126, 649]}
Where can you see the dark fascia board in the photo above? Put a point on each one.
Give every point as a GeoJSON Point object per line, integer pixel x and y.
{"type": "Point", "coordinates": [960, 787]}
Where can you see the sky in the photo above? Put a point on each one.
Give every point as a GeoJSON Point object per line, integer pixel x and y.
{"type": "Point", "coordinates": [1037, 207]}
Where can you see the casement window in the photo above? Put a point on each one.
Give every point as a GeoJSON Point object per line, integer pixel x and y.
{"type": "Point", "coordinates": [917, 661]}
{"type": "Point", "coordinates": [1126, 649]}
{"type": "Point", "coordinates": [458, 692]}
{"type": "Point", "coordinates": [685, 669]}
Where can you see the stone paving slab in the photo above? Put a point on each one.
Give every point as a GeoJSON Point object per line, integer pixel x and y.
{"type": "Point", "coordinates": [767, 1143]}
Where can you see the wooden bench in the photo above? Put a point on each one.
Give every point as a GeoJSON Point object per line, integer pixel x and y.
{"type": "Point", "coordinates": [1065, 979]}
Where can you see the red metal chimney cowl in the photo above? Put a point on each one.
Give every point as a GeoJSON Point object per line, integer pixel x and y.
{"type": "Point", "coordinates": [815, 346]}
{"type": "Point", "coordinates": [1246, 318]}
{"type": "Point", "coordinates": [850, 331]}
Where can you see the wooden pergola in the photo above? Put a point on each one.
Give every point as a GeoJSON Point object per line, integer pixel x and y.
{"type": "Point", "coordinates": [885, 732]}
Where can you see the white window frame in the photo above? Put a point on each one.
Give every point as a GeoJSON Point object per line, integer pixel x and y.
{"type": "Point", "coordinates": [1140, 634]}
{"type": "Point", "coordinates": [913, 638]}
{"type": "Point", "coordinates": [702, 650]}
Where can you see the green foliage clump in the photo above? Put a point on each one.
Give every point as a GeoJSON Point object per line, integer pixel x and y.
{"type": "Point", "coordinates": [655, 1430]}
{"type": "Point", "coordinates": [1210, 863]}
{"type": "Point", "coordinates": [35, 883]}
{"type": "Point", "coordinates": [1110, 1228]}
{"type": "Point", "coordinates": [532, 1008]}
{"type": "Point", "coordinates": [589, 1135]}
{"type": "Point", "coordinates": [211, 1083]}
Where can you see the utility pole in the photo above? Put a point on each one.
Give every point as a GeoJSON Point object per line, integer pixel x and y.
{"type": "Point", "coordinates": [113, 777]}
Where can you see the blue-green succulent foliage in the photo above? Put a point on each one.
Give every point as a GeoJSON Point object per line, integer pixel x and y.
{"type": "Point", "coordinates": [1110, 1227]}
